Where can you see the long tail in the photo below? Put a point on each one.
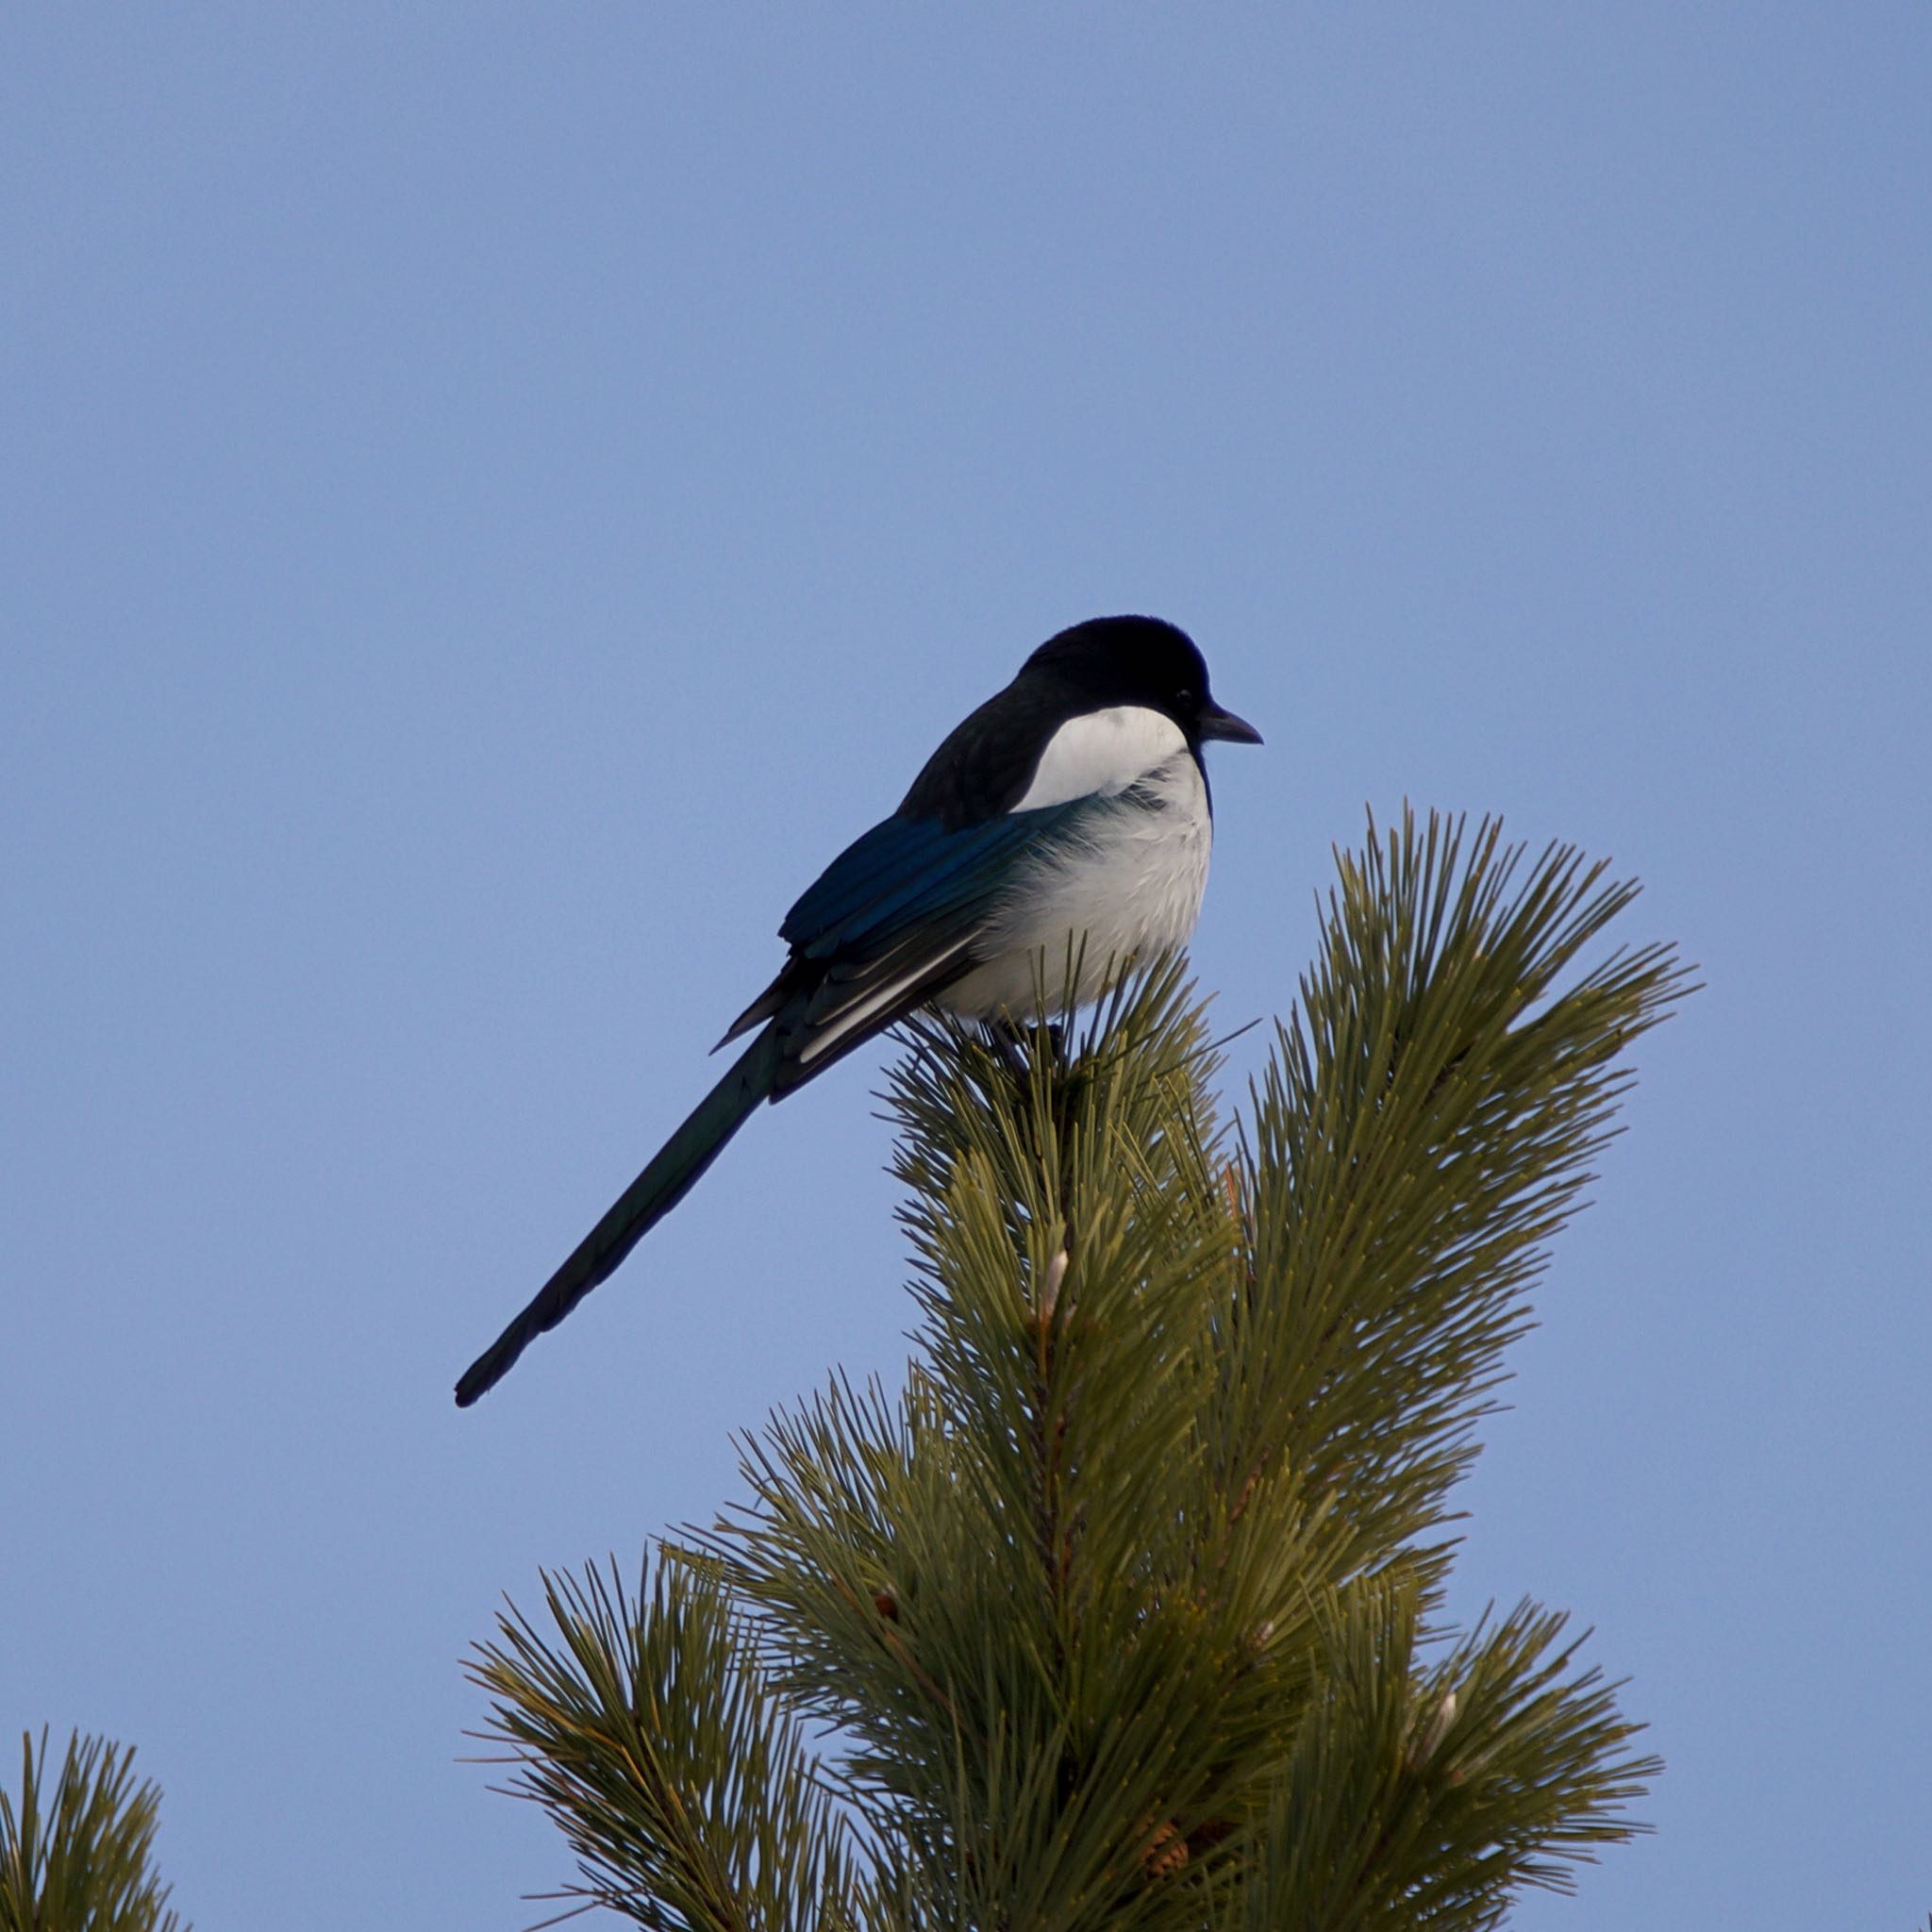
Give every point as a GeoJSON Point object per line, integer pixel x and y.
{"type": "Point", "coordinates": [661, 1186]}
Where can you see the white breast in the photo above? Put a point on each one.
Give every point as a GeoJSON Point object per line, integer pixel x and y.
{"type": "Point", "coordinates": [1130, 889]}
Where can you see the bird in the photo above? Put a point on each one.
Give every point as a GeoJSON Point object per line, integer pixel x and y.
{"type": "Point", "coordinates": [1069, 818]}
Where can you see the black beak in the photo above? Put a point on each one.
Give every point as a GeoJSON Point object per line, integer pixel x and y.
{"type": "Point", "coordinates": [1215, 723]}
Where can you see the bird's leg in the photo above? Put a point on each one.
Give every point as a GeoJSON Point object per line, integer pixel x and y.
{"type": "Point", "coordinates": [1004, 1039]}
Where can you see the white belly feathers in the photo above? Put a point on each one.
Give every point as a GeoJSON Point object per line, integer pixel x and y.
{"type": "Point", "coordinates": [1130, 886]}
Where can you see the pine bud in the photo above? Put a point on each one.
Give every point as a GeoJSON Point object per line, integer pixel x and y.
{"type": "Point", "coordinates": [1430, 1741]}
{"type": "Point", "coordinates": [1050, 1290]}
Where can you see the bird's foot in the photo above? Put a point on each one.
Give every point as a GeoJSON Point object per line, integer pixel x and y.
{"type": "Point", "coordinates": [1011, 1042]}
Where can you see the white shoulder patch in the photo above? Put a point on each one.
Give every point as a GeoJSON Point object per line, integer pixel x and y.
{"type": "Point", "coordinates": [1102, 753]}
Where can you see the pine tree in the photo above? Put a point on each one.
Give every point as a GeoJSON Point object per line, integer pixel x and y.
{"type": "Point", "coordinates": [1127, 1611]}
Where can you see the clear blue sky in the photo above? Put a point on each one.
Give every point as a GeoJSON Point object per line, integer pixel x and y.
{"type": "Point", "coordinates": [443, 447]}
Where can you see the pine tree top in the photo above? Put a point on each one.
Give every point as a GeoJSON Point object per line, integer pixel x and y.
{"type": "Point", "coordinates": [1124, 1611]}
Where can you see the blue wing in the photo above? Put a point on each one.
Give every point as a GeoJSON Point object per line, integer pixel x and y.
{"type": "Point", "coordinates": [906, 872]}
{"type": "Point", "coordinates": [890, 922]}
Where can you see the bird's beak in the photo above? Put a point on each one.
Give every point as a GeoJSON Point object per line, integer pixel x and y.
{"type": "Point", "coordinates": [1215, 723]}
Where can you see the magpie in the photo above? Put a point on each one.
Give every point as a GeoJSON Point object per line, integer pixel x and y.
{"type": "Point", "coordinates": [1067, 818]}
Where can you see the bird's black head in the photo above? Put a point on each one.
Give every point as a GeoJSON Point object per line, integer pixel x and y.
{"type": "Point", "coordinates": [1139, 660]}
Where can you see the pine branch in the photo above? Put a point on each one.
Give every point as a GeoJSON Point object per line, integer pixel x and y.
{"type": "Point", "coordinates": [1428, 1122]}
{"type": "Point", "coordinates": [1052, 1698]}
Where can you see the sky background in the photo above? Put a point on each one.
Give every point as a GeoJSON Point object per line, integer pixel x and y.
{"type": "Point", "coordinates": [494, 498]}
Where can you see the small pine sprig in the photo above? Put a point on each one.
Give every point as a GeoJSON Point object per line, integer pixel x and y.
{"type": "Point", "coordinates": [641, 1722]}
{"type": "Point", "coordinates": [1423, 1793]}
{"type": "Point", "coordinates": [79, 1856]}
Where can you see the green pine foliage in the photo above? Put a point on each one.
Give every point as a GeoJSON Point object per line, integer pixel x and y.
{"type": "Point", "coordinates": [1126, 1613]}
{"type": "Point", "coordinates": [78, 1858]}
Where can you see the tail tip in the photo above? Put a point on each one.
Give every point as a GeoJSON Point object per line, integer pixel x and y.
{"type": "Point", "coordinates": [477, 1380]}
